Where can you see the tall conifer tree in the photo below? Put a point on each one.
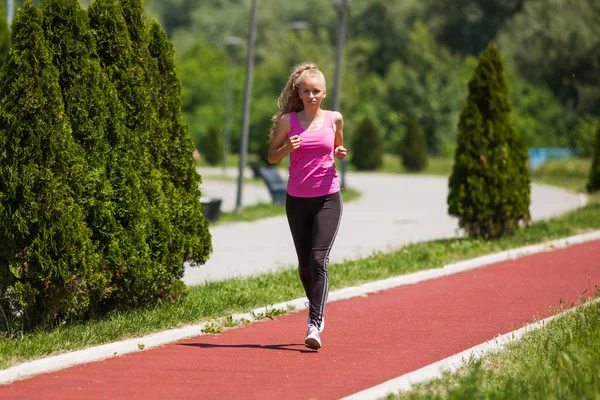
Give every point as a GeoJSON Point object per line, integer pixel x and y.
{"type": "Point", "coordinates": [414, 146]}
{"type": "Point", "coordinates": [489, 184]}
{"type": "Point", "coordinates": [114, 202]}
{"type": "Point", "coordinates": [163, 232]}
{"type": "Point", "coordinates": [594, 178]}
{"type": "Point", "coordinates": [48, 266]}
{"type": "Point", "coordinates": [192, 236]}
{"type": "Point", "coordinates": [71, 42]}
{"type": "Point", "coordinates": [118, 59]}
{"type": "Point", "coordinates": [367, 145]}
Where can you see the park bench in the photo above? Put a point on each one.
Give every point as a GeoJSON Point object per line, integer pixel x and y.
{"type": "Point", "coordinates": [255, 166]}
{"type": "Point", "coordinates": [276, 185]}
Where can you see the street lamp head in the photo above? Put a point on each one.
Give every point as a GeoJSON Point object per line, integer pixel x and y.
{"type": "Point", "coordinates": [298, 25]}
{"type": "Point", "coordinates": [233, 41]}
{"type": "Point", "coordinates": [340, 3]}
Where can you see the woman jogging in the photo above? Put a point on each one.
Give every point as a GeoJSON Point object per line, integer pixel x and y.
{"type": "Point", "coordinates": [313, 137]}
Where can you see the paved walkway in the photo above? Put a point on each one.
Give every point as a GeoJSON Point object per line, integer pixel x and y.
{"type": "Point", "coordinates": [368, 340]}
{"type": "Point", "coordinates": [394, 210]}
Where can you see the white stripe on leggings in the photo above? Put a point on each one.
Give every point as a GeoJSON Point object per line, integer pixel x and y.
{"type": "Point", "coordinates": [326, 291]}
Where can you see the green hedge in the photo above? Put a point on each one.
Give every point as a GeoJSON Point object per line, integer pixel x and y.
{"type": "Point", "coordinates": [49, 265]}
{"type": "Point", "coordinates": [414, 147]}
{"type": "Point", "coordinates": [211, 146]}
{"type": "Point", "coordinates": [594, 179]}
{"type": "Point", "coordinates": [99, 196]}
{"type": "Point", "coordinates": [367, 146]}
{"type": "Point", "coordinates": [192, 239]}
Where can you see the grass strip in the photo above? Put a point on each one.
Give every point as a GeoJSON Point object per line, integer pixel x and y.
{"type": "Point", "coordinates": [441, 166]}
{"type": "Point", "coordinates": [570, 174]}
{"type": "Point", "coordinates": [221, 299]}
{"type": "Point", "coordinates": [558, 361]}
{"type": "Point", "coordinates": [266, 210]}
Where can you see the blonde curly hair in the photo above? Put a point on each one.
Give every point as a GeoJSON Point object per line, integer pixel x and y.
{"type": "Point", "coordinates": [289, 100]}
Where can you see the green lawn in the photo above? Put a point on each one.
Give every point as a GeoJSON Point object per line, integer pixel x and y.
{"type": "Point", "coordinates": [571, 174]}
{"type": "Point", "coordinates": [265, 210]}
{"type": "Point", "coordinates": [232, 179]}
{"type": "Point", "coordinates": [559, 361]}
{"type": "Point", "coordinates": [441, 166]}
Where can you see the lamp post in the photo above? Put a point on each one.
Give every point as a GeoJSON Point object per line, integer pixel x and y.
{"type": "Point", "coordinates": [473, 14]}
{"type": "Point", "coordinates": [343, 6]}
{"type": "Point", "coordinates": [296, 27]}
{"type": "Point", "coordinates": [246, 115]}
{"type": "Point", "coordinates": [230, 43]}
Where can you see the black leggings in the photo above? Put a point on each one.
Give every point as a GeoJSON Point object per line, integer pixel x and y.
{"type": "Point", "coordinates": [314, 223]}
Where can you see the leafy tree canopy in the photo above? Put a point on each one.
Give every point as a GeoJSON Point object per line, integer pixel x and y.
{"type": "Point", "coordinates": [559, 45]}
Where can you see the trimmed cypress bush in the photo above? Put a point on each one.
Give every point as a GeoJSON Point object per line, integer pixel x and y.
{"type": "Point", "coordinates": [48, 267]}
{"type": "Point", "coordinates": [192, 238]}
{"type": "Point", "coordinates": [414, 147]}
{"type": "Point", "coordinates": [490, 184]}
{"type": "Point", "coordinates": [146, 279]}
{"type": "Point", "coordinates": [367, 146]}
{"type": "Point", "coordinates": [594, 179]}
{"type": "Point", "coordinates": [147, 69]}
{"type": "Point", "coordinates": [163, 234]}
{"type": "Point", "coordinates": [113, 199]}
{"type": "Point", "coordinates": [71, 43]}
{"type": "Point", "coordinates": [4, 35]}
{"type": "Point", "coordinates": [211, 146]}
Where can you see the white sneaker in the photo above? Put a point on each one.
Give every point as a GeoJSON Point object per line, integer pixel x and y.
{"type": "Point", "coordinates": [322, 327]}
{"type": "Point", "coordinates": [313, 338]}
{"type": "Point", "coordinates": [322, 319]}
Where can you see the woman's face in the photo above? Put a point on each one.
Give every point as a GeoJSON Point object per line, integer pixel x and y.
{"type": "Point", "coordinates": [312, 92]}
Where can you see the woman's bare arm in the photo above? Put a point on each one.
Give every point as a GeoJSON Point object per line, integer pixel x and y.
{"type": "Point", "coordinates": [339, 150]}
{"type": "Point", "coordinates": [280, 146]}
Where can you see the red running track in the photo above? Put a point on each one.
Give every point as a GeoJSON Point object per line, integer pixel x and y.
{"type": "Point", "coordinates": [367, 340]}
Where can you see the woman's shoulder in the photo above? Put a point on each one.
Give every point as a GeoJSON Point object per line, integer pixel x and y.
{"type": "Point", "coordinates": [285, 118]}
{"type": "Point", "coordinates": [284, 121]}
{"type": "Point", "coordinates": [336, 116]}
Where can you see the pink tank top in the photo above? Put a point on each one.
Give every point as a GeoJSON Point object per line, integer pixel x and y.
{"type": "Point", "coordinates": [312, 170]}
